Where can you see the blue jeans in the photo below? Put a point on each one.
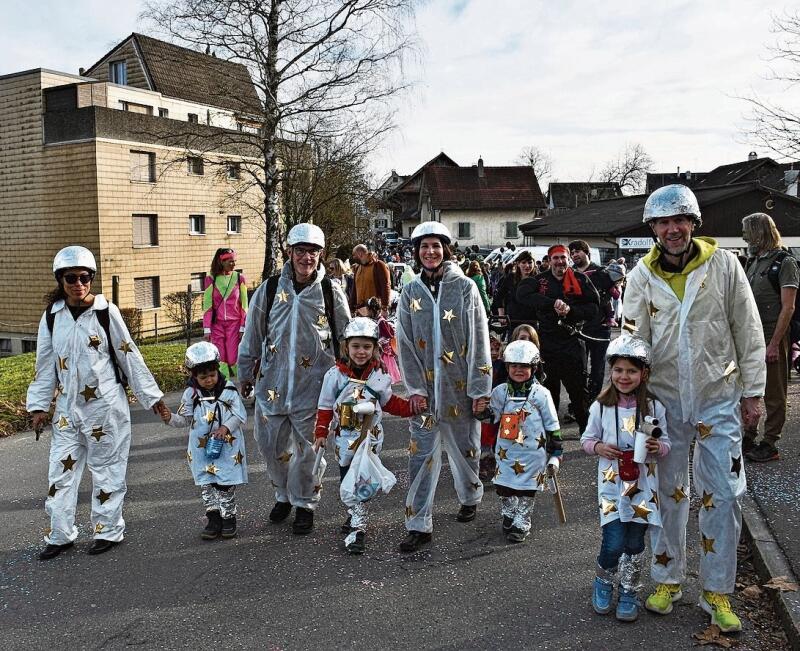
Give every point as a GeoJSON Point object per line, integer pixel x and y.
{"type": "Point", "coordinates": [620, 538]}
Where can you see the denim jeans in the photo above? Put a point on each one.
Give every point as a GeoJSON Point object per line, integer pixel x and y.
{"type": "Point", "coordinates": [620, 538]}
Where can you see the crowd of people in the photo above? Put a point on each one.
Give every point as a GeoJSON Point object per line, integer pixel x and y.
{"type": "Point", "coordinates": [482, 354]}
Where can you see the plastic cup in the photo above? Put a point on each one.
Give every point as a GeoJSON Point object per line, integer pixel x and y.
{"type": "Point", "coordinates": [640, 447]}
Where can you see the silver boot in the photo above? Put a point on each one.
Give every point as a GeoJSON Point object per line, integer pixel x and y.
{"type": "Point", "coordinates": [521, 526]}
{"type": "Point", "coordinates": [508, 509]}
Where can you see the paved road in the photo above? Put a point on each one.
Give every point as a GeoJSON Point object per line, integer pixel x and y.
{"type": "Point", "coordinates": [165, 588]}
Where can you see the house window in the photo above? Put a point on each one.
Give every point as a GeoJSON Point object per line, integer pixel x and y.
{"type": "Point", "coordinates": [234, 170]}
{"type": "Point", "coordinates": [118, 72]}
{"type": "Point", "coordinates": [512, 230]}
{"type": "Point", "coordinates": [28, 345]}
{"type": "Point", "coordinates": [163, 113]}
{"type": "Point", "coordinates": [143, 166]}
{"type": "Point", "coordinates": [5, 346]}
{"type": "Point", "coordinates": [193, 118]}
{"type": "Point", "coordinates": [195, 164]}
{"type": "Point", "coordinates": [381, 223]}
{"type": "Point", "coordinates": [197, 279]}
{"type": "Point", "coordinates": [197, 224]}
{"type": "Point", "coordinates": [145, 230]}
{"type": "Point", "coordinates": [464, 230]}
{"type": "Point", "coordinates": [147, 292]}
{"type": "Point", "coordinates": [133, 107]}
{"type": "Point", "coordinates": [234, 224]}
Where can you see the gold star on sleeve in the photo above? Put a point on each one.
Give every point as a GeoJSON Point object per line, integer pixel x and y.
{"type": "Point", "coordinates": [88, 392]}
{"type": "Point", "coordinates": [678, 494]}
{"type": "Point", "coordinates": [708, 544]}
{"type": "Point", "coordinates": [608, 506]}
{"type": "Point", "coordinates": [125, 347]}
{"type": "Point", "coordinates": [415, 305]}
{"type": "Point", "coordinates": [103, 497]}
{"type": "Point", "coordinates": [610, 475]}
{"type": "Point", "coordinates": [704, 430]}
{"type": "Point", "coordinates": [640, 510]}
{"type": "Point", "coordinates": [448, 315]}
{"type": "Point", "coordinates": [518, 467]}
{"type": "Point", "coordinates": [94, 342]}
{"type": "Point", "coordinates": [708, 501]}
{"type": "Point", "coordinates": [447, 356]}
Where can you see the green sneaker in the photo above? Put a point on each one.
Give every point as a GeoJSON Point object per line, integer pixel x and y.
{"type": "Point", "coordinates": [662, 599]}
{"type": "Point", "coordinates": [718, 606]}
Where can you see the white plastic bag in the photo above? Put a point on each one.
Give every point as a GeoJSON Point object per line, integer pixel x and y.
{"type": "Point", "coordinates": [366, 477]}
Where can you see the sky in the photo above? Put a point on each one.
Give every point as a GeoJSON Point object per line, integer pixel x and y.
{"type": "Point", "coordinates": [577, 78]}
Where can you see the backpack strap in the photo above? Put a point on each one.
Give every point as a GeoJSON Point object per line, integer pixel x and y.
{"type": "Point", "coordinates": [327, 296]}
{"type": "Point", "coordinates": [50, 318]}
{"type": "Point", "coordinates": [272, 289]}
{"type": "Point", "coordinates": [105, 322]}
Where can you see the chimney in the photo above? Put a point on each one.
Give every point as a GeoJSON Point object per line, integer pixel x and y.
{"type": "Point", "coordinates": [688, 175]}
{"type": "Point", "coordinates": [81, 71]}
{"type": "Point", "coordinates": [679, 170]}
{"type": "Point", "coordinates": [752, 155]}
{"type": "Point", "coordinates": [480, 167]}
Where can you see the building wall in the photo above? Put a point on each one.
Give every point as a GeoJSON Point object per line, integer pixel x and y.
{"type": "Point", "coordinates": [126, 51]}
{"type": "Point", "coordinates": [488, 226]}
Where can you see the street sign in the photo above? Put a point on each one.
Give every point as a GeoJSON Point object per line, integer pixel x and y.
{"type": "Point", "coordinates": [635, 242]}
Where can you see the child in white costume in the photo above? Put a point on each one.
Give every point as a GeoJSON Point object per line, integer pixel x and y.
{"type": "Point", "coordinates": [528, 438]}
{"type": "Point", "coordinates": [357, 378]}
{"type": "Point", "coordinates": [212, 409]}
{"type": "Point", "coordinates": [627, 491]}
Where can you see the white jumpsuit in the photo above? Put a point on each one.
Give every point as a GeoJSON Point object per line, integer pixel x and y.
{"type": "Point", "coordinates": [91, 421]}
{"type": "Point", "coordinates": [708, 351]}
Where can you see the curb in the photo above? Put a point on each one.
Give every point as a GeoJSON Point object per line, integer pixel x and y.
{"type": "Point", "coordinates": [770, 562]}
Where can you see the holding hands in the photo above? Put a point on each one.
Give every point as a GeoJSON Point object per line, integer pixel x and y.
{"type": "Point", "coordinates": [479, 405]}
{"type": "Point", "coordinates": [418, 404]}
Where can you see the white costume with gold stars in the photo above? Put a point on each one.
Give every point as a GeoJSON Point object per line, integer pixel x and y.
{"type": "Point", "coordinates": [708, 351]}
{"type": "Point", "coordinates": [634, 500]}
{"type": "Point", "coordinates": [91, 422]}
{"type": "Point", "coordinates": [443, 346]}
{"type": "Point", "coordinates": [203, 415]}
{"type": "Point", "coordinates": [295, 355]}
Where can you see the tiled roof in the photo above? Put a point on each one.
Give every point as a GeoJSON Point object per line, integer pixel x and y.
{"type": "Point", "coordinates": [565, 195]}
{"type": "Point", "coordinates": [460, 188]}
{"type": "Point", "coordinates": [743, 170]}
{"type": "Point", "coordinates": [408, 185]}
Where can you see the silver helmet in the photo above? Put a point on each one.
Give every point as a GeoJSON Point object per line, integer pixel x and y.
{"type": "Point", "coordinates": [306, 234]}
{"type": "Point", "coordinates": [361, 326]}
{"type": "Point", "coordinates": [74, 256]}
{"type": "Point", "coordinates": [616, 271]}
{"type": "Point", "coordinates": [201, 353]}
{"type": "Point", "coordinates": [671, 201]}
{"type": "Point", "coordinates": [629, 346]}
{"type": "Point", "coordinates": [431, 229]}
{"type": "Point", "coordinates": [521, 352]}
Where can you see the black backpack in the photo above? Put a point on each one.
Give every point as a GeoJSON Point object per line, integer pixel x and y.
{"type": "Point", "coordinates": [773, 274]}
{"type": "Point", "coordinates": [105, 322]}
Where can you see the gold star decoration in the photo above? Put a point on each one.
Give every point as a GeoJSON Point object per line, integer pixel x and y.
{"type": "Point", "coordinates": [98, 433]}
{"type": "Point", "coordinates": [305, 362]}
{"type": "Point", "coordinates": [272, 394]}
{"type": "Point", "coordinates": [211, 469]}
{"type": "Point", "coordinates": [68, 462]}
{"type": "Point", "coordinates": [94, 342]}
{"type": "Point", "coordinates": [317, 488]}
{"type": "Point", "coordinates": [47, 531]}
{"type": "Point", "coordinates": [730, 369]}
{"type": "Point", "coordinates": [463, 351]}
{"type": "Point", "coordinates": [610, 475]}
{"type": "Point", "coordinates": [630, 489]}
{"type": "Point", "coordinates": [497, 471]}
{"type": "Point", "coordinates": [273, 349]}
{"type": "Point", "coordinates": [475, 485]}
{"type": "Point", "coordinates": [125, 347]}
{"type": "Point", "coordinates": [678, 494]}
{"type": "Point", "coordinates": [358, 393]}
{"type": "Point", "coordinates": [62, 364]}
{"type": "Point", "coordinates": [653, 310]}
{"type": "Point", "coordinates": [88, 392]}
{"type": "Point", "coordinates": [454, 411]}
{"type": "Point", "coordinates": [654, 498]}
{"type": "Point", "coordinates": [63, 423]}
{"type": "Point", "coordinates": [540, 442]}
{"type": "Point", "coordinates": [428, 421]}
{"type": "Point", "coordinates": [651, 469]}
{"type": "Point", "coordinates": [470, 453]}
{"type": "Point", "coordinates": [229, 438]}
{"type": "Point", "coordinates": [201, 441]}
{"type": "Point", "coordinates": [52, 491]}
{"type": "Point", "coordinates": [708, 501]}
{"type": "Point", "coordinates": [209, 417]}
{"type": "Point", "coordinates": [448, 315]}
{"type": "Point", "coordinates": [708, 544]}
{"type": "Point", "coordinates": [354, 444]}
{"type": "Point", "coordinates": [336, 454]}
{"type": "Point", "coordinates": [518, 467]}
{"type": "Point", "coordinates": [502, 453]}
{"type": "Point", "coordinates": [415, 305]}
{"type": "Point", "coordinates": [629, 424]}
{"type": "Point", "coordinates": [322, 321]}
{"type": "Point", "coordinates": [422, 343]}
{"type": "Point", "coordinates": [429, 462]}
{"type": "Point", "coordinates": [409, 512]}
{"type": "Point", "coordinates": [447, 356]}
{"type": "Point", "coordinates": [103, 497]}
{"type": "Point", "coordinates": [412, 447]}
{"type": "Point", "coordinates": [189, 456]}
{"type": "Point", "coordinates": [520, 440]}
{"type": "Point", "coordinates": [284, 458]}
{"type": "Point", "coordinates": [98, 528]}
{"type": "Point", "coordinates": [59, 390]}
{"type": "Point", "coordinates": [486, 369]}
{"type": "Point", "coordinates": [704, 430]}
{"type": "Point", "coordinates": [429, 375]}
{"type": "Point", "coordinates": [540, 479]}
{"type": "Point", "coordinates": [641, 510]}
{"type": "Point", "coordinates": [461, 385]}
{"type": "Point", "coordinates": [608, 506]}
{"type": "Point", "coordinates": [283, 297]}
{"type": "Point", "coordinates": [736, 465]}
{"type": "Point", "coordinates": [630, 326]}
{"type": "Point", "coordinates": [663, 559]}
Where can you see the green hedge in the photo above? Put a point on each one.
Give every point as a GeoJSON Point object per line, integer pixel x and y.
{"type": "Point", "coordinates": [164, 361]}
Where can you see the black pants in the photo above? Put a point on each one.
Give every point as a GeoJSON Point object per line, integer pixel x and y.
{"type": "Point", "coordinates": [568, 367]}
{"type": "Point", "coordinates": [596, 354]}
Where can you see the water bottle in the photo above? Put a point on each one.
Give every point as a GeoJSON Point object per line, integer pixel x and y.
{"type": "Point", "coordinates": [214, 448]}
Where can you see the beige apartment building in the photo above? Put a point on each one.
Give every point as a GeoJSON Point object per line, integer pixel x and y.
{"type": "Point", "coordinates": [140, 159]}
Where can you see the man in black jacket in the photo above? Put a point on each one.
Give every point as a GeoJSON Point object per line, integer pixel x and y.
{"type": "Point", "coordinates": [562, 297]}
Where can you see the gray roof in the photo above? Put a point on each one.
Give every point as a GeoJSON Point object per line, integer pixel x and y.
{"type": "Point", "coordinates": [568, 195]}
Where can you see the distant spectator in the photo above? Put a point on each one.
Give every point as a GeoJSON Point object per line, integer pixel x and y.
{"type": "Point", "coordinates": [372, 278]}
{"type": "Point", "coordinates": [476, 275]}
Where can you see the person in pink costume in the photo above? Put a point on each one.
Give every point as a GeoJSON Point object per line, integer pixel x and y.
{"type": "Point", "coordinates": [225, 308]}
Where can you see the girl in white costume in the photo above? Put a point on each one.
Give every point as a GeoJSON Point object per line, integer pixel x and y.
{"type": "Point", "coordinates": [627, 491]}
{"type": "Point", "coordinates": [212, 409]}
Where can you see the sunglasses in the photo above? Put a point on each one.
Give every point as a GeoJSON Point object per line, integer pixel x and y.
{"type": "Point", "coordinates": [84, 279]}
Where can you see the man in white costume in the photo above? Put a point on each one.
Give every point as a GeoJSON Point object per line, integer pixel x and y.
{"type": "Point", "coordinates": [84, 355]}
{"type": "Point", "coordinates": [443, 341]}
{"type": "Point", "coordinates": [691, 301]}
{"type": "Point", "coordinates": [288, 329]}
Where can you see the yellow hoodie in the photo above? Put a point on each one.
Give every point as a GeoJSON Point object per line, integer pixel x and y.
{"type": "Point", "coordinates": [677, 280]}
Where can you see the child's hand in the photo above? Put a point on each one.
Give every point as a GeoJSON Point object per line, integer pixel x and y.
{"type": "Point", "coordinates": [418, 403]}
{"type": "Point", "coordinates": [166, 415]}
{"type": "Point", "coordinates": [607, 451]}
{"type": "Point", "coordinates": [652, 445]}
{"type": "Point", "coordinates": [221, 432]}
{"type": "Point", "coordinates": [479, 405]}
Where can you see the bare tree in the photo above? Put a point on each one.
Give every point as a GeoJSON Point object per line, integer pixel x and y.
{"type": "Point", "coordinates": [323, 67]}
{"type": "Point", "coordinates": [629, 168]}
{"type": "Point", "coordinates": [776, 126]}
{"type": "Point", "coordinates": [180, 307]}
{"type": "Point", "coordinates": [539, 160]}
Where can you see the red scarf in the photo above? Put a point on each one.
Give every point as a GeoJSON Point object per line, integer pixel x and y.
{"type": "Point", "coordinates": [570, 283]}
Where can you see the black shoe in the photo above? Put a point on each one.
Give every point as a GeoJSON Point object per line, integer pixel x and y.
{"type": "Point", "coordinates": [414, 540]}
{"type": "Point", "coordinates": [516, 535]}
{"type": "Point", "coordinates": [346, 528]}
{"type": "Point", "coordinates": [358, 545]}
{"type": "Point", "coordinates": [51, 551]}
{"type": "Point", "coordinates": [748, 445]}
{"type": "Point", "coordinates": [229, 527]}
{"type": "Point", "coordinates": [303, 521]}
{"type": "Point", "coordinates": [507, 523]}
{"type": "Point", "coordinates": [763, 452]}
{"type": "Point", "coordinates": [101, 546]}
{"type": "Point", "coordinates": [467, 513]}
{"type": "Point", "coordinates": [214, 526]}
{"type": "Point", "coordinates": [280, 512]}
